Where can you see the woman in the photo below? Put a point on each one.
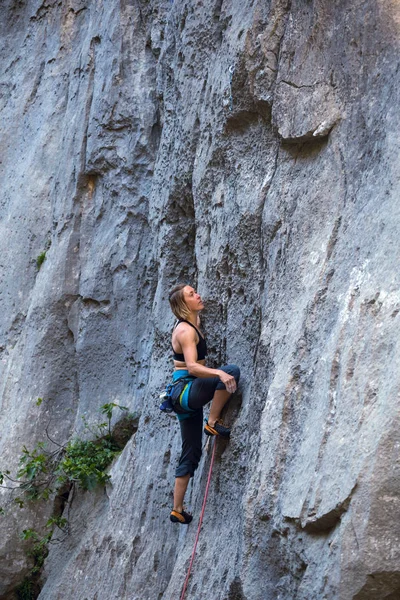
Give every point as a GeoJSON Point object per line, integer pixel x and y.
{"type": "Point", "coordinates": [202, 385]}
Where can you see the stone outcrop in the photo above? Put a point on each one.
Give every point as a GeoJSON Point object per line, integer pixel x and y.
{"type": "Point", "coordinates": [251, 149]}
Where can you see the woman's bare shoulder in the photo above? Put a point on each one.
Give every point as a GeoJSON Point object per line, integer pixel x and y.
{"type": "Point", "coordinates": [183, 329]}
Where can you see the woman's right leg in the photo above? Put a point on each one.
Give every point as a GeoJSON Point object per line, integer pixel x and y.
{"type": "Point", "coordinates": [191, 432]}
{"type": "Point", "coordinates": [180, 488]}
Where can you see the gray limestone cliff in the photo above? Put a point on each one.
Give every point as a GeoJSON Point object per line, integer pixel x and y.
{"type": "Point", "coordinates": [251, 148]}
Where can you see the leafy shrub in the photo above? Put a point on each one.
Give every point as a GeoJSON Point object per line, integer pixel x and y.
{"type": "Point", "coordinates": [85, 462]}
{"type": "Point", "coordinates": [43, 472]}
{"type": "Point", "coordinates": [82, 462]}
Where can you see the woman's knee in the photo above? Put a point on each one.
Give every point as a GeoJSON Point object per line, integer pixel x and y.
{"type": "Point", "coordinates": [188, 465]}
{"type": "Point", "coordinates": [236, 373]}
{"type": "Point", "coordinates": [232, 370]}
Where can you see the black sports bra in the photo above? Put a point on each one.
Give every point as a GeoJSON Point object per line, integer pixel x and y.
{"type": "Point", "coordinates": [201, 346]}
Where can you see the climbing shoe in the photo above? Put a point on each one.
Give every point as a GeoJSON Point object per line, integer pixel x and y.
{"type": "Point", "coordinates": [183, 518]}
{"type": "Point", "coordinates": [218, 429]}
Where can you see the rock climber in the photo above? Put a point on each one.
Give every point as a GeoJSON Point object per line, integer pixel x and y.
{"type": "Point", "coordinates": [202, 385]}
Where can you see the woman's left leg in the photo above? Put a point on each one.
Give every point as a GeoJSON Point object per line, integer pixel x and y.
{"type": "Point", "coordinates": [191, 432]}
{"type": "Point", "coordinates": [221, 396]}
{"type": "Point", "coordinates": [206, 389]}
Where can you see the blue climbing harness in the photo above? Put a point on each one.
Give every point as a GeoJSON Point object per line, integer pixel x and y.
{"type": "Point", "coordinates": [176, 394]}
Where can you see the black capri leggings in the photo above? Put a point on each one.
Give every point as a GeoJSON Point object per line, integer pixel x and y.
{"type": "Point", "coordinates": [203, 389]}
{"type": "Point", "coordinates": [201, 393]}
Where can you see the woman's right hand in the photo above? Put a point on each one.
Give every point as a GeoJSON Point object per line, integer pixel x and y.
{"type": "Point", "coordinates": [228, 380]}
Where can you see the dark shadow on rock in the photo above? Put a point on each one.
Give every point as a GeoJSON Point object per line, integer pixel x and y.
{"type": "Point", "coordinates": [236, 590]}
{"type": "Point", "coordinates": [380, 586]}
{"type": "Point", "coordinates": [305, 148]}
{"type": "Point", "coordinates": [124, 429]}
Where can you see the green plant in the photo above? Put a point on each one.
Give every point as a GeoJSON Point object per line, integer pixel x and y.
{"type": "Point", "coordinates": [32, 464]}
{"type": "Point", "coordinates": [43, 472]}
{"type": "Point", "coordinates": [107, 409]}
{"type": "Point", "coordinates": [36, 473]}
{"type": "Point", "coordinates": [26, 590]}
{"type": "Point", "coordinates": [39, 548]}
{"type": "Point", "coordinates": [40, 259]}
{"type": "Point", "coordinates": [85, 462]}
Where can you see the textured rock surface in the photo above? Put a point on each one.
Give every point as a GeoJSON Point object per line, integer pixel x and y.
{"type": "Point", "coordinates": [250, 147]}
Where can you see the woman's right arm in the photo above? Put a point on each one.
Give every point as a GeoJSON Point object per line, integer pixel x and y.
{"type": "Point", "coordinates": [187, 340]}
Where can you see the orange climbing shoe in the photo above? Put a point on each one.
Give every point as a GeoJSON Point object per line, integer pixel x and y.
{"type": "Point", "coordinates": [218, 429]}
{"type": "Point", "coordinates": [183, 518]}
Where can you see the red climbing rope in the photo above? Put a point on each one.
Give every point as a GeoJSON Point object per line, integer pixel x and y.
{"type": "Point", "coordinates": [200, 521]}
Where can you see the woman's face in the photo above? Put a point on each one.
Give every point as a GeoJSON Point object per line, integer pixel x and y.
{"type": "Point", "coordinates": [192, 299]}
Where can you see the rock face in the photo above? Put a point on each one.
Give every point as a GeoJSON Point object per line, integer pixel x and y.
{"type": "Point", "coordinates": [250, 148]}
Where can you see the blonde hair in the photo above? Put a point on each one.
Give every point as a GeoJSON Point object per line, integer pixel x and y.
{"type": "Point", "coordinates": [177, 302]}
